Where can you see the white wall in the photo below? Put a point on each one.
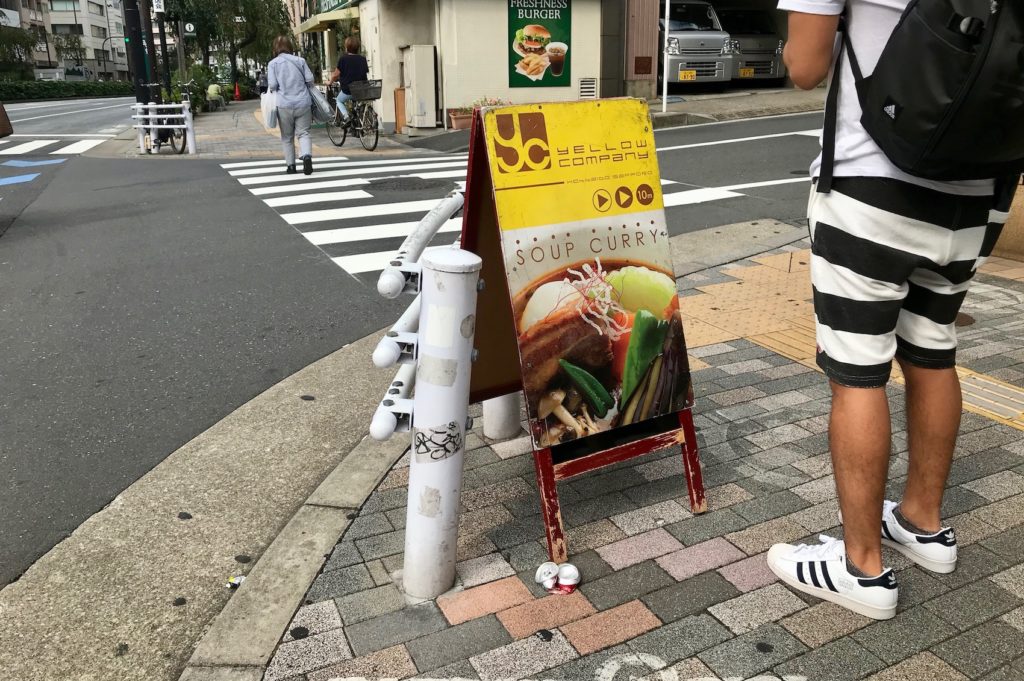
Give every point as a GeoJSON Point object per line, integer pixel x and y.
{"type": "Point", "coordinates": [475, 52]}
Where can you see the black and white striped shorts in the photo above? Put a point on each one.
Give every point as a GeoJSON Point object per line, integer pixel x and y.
{"type": "Point", "coordinates": [891, 263]}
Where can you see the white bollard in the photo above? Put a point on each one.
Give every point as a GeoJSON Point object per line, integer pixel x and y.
{"type": "Point", "coordinates": [501, 417]}
{"type": "Point", "coordinates": [447, 324]}
{"type": "Point", "coordinates": [140, 127]}
{"type": "Point", "coordinates": [190, 128]}
{"type": "Point", "coordinates": [153, 132]}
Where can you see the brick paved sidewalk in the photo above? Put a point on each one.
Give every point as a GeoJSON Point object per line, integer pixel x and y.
{"type": "Point", "coordinates": [692, 596]}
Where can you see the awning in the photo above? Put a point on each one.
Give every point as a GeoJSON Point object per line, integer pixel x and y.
{"type": "Point", "coordinates": [324, 21]}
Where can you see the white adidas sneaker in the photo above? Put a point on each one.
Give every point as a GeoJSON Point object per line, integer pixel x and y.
{"type": "Point", "coordinates": [935, 552]}
{"type": "Point", "coordinates": [820, 570]}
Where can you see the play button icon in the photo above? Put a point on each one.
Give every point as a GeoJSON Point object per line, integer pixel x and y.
{"type": "Point", "coordinates": [602, 200]}
{"type": "Point", "coordinates": [624, 197]}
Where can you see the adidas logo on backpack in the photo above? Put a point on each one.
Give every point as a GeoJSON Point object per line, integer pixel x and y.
{"type": "Point", "coordinates": [960, 114]}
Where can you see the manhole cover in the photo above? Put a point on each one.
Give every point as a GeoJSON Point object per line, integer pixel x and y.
{"type": "Point", "coordinates": [964, 319]}
{"type": "Point", "coordinates": [407, 184]}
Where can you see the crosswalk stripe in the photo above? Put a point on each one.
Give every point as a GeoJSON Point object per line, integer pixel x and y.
{"type": "Point", "coordinates": [303, 199]}
{"type": "Point", "coordinates": [78, 147]}
{"type": "Point", "coordinates": [331, 184]}
{"type": "Point", "coordinates": [347, 172]}
{"type": "Point", "coordinates": [702, 195]}
{"type": "Point", "coordinates": [344, 235]}
{"type": "Point", "coordinates": [370, 262]}
{"type": "Point", "coordinates": [306, 217]}
{"type": "Point", "coordinates": [253, 164]}
{"type": "Point", "coordinates": [26, 147]}
{"type": "Point", "coordinates": [319, 164]}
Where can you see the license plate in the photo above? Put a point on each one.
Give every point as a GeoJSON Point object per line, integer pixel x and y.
{"type": "Point", "coordinates": [746, 73]}
{"type": "Point", "coordinates": [687, 74]}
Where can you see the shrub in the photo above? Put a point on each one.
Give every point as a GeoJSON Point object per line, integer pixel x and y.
{"type": "Point", "coordinates": [56, 89]}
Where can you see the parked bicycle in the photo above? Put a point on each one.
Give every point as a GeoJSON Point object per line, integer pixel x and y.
{"type": "Point", "coordinates": [362, 121]}
{"type": "Point", "coordinates": [176, 138]}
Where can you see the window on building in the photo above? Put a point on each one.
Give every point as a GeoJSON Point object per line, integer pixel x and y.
{"type": "Point", "coordinates": [96, 8]}
{"type": "Point", "coordinates": [98, 32]}
{"type": "Point", "coordinates": [67, 29]}
{"type": "Point", "coordinates": [63, 5]}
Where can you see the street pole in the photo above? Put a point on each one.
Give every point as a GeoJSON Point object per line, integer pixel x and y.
{"type": "Point", "coordinates": [163, 51]}
{"type": "Point", "coordinates": [106, 14]}
{"type": "Point", "coordinates": [181, 49]}
{"type": "Point", "coordinates": [664, 61]}
{"type": "Point", "coordinates": [136, 51]}
{"type": "Point", "coordinates": [147, 27]}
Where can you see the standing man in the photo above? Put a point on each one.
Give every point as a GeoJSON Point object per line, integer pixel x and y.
{"type": "Point", "coordinates": [352, 68]}
{"type": "Point", "coordinates": [892, 257]}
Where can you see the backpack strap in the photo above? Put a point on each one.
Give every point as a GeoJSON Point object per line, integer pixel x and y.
{"type": "Point", "coordinates": [828, 135]}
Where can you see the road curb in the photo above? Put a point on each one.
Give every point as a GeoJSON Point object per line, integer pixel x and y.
{"type": "Point", "coordinates": [242, 638]}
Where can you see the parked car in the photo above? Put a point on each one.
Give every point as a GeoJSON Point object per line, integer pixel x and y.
{"type": "Point", "coordinates": [760, 46]}
{"type": "Point", "coordinates": [699, 51]}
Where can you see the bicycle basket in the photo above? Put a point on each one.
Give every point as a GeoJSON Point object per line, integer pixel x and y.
{"type": "Point", "coordinates": [365, 90]}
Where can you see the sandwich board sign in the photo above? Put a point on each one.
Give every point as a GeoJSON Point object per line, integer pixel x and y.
{"type": "Point", "coordinates": [580, 310]}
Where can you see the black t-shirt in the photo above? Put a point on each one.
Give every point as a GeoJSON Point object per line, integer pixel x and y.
{"type": "Point", "coordinates": [353, 68]}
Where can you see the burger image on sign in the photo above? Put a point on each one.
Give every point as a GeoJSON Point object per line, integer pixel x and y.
{"type": "Point", "coordinates": [532, 39]}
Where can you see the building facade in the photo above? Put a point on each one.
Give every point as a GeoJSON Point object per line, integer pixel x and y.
{"type": "Point", "coordinates": [99, 24]}
{"type": "Point", "coordinates": [34, 16]}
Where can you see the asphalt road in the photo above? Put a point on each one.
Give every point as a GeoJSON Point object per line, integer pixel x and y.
{"type": "Point", "coordinates": [142, 301]}
{"type": "Point", "coordinates": [106, 115]}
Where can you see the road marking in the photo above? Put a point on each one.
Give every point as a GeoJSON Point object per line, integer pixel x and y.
{"type": "Point", "coordinates": [253, 164]}
{"type": "Point", "coordinates": [741, 139]}
{"type": "Point", "coordinates": [306, 217]}
{"type": "Point", "coordinates": [26, 147]}
{"type": "Point", "coordinates": [347, 172]}
{"type": "Point", "coordinates": [331, 163]}
{"type": "Point", "coordinates": [18, 179]}
{"type": "Point", "coordinates": [62, 103]}
{"type": "Point", "coordinates": [741, 120]}
{"type": "Point", "coordinates": [766, 183]}
{"type": "Point", "coordinates": [79, 147]}
{"type": "Point", "coordinates": [324, 237]}
{"type": "Point", "coordinates": [371, 262]}
{"type": "Point", "coordinates": [702, 195]}
{"type": "Point", "coordinates": [69, 113]}
{"type": "Point", "coordinates": [263, 191]}
{"type": "Point", "coordinates": [320, 197]}
{"type": "Point", "coordinates": [32, 164]}
{"type": "Point", "coordinates": [67, 134]}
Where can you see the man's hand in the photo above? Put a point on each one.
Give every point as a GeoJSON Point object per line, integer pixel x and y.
{"type": "Point", "coordinates": [808, 52]}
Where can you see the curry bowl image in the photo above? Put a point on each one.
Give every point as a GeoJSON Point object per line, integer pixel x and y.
{"type": "Point", "coordinates": [602, 345]}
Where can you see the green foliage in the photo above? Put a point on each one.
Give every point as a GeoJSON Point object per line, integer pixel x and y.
{"type": "Point", "coordinates": [56, 89]}
{"type": "Point", "coordinates": [202, 77]}
{"type": "Point", "coordinates": [69, 48]}
{"type": "Point", "coordinates": [16, 45]}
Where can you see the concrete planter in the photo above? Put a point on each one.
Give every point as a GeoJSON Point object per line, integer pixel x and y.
{"type": "Point", "coordinates": [461, 121]}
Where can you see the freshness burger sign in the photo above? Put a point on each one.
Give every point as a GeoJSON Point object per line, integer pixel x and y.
{"type": "Point", "coordinates": [540, 40]}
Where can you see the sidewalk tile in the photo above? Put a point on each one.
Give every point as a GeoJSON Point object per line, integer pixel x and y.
{"type": "Point", "coordinates": [625, 585]}
{"type": "Point", "coordinates": [745, 366]}
{"type": "Point", "coordinates": [752, 653]}
{"type": "Point", "coordinates": [367, 526]}
{"type": "Point", "coordinates": [473, 546]}
{"type": "Point", "coordinates": [973, 604]}
{"type": "Point", "coordinates": [378, 572]}
{"type": "Point", "coordinates": [483, 520]}
{"type": "Point", "coordinates": [591, 667]}
{"type": "Point", "coordinates": [685, 670]}
{"type": "Point", "coordinates": [526, 556]}
{"type": "Point", "coordinates": [778, 436]}
{"type": "Point", "coordinates": [495, 493]}
{"type": "Point", "coordinates": [917, 586]}
{"type": "Point", "coordinates": [1015, 618]}
{"type": "Point", "coordinates": [524, 658]}
{"type": "Point", "coordinates": [975, 562]}
{"type": "Point", "coordinates": [706, 526]}
{"type": "Point", "coordinates": [1009, 543]}
{"type": "Point", "coordinates": [651, 517]}
{"type": "Point", "coordinates": [818, 518]}
{"type": "Point", "coordinates": [659, 469]}
{"type": "Point", "coordinates": [681, 639]}
{"type": "Point", "coordinates": [381, 545]}
{"type": "Point", "coordinates": [771, 506]}
{"type": "Point", "coordinates": [516, 531]}
{"type": "Point", "coordinates": [970, 528]}
{"type": "Point", "coordinates": [592, 535]}
{"type": "Point", "coordinates": [1003, 514]}
{"type": "Point", "coordinates": [395, 627]}
{"type": "Point", "coordinates": [790, 398]}
{"type": "Point", "coordinates": [761, 537]}
{"type": "Point", "coordinates": [483, 600]}
{"type": "Point", "coordinates": [457, 643]}
{"type": "Point", "coordinates": [338, 583]}
{"type": "Point", "coordinates": [819, 490]}
{"type": "Point", "coordinates": [729, 398]}
{"type": "Point", "coordinates": [841, 660]}
{"type": "Point", "coordinates": [921, 666]}
{"type": "Point", "coordinates": [608, 628]}
{"type": "Point", "coordinates": [777, 457]}
{"type": "Point", "coordinates": [364, 605]}
{"type": "Point", "coordinates": [726, 495]}
{"type": "Point", "coordinates": [686, 563]}
{"type": "Point", "coordinates": [906, 634]}
{"type": "Point", "coordinates": [981, 465]}
{"type": "Point", "coordinates": [590, 565]}
{"type": "Point", "coordinates": [824, 622]}
{"type": "Point", "coordinates": [709, 350]}
{"type": "Point", "coordinates": [453, 672]}
{"type": "Point", "coordinates": [690, 597]}
{"type": "Point", "coordinates": [751, 610]}
{"type": "Point", "coordinates": [982, 649]}
{"type": "Point", "coordinates": [343, 555]}
{"type": "Point", "coordinates": [598, 508]}
{"type": "Point", "coordinates": [1011, 580]}
{"type": "Point", "coordinates": [549, 612]}
{"type": "Point", "coordinates": [316, 619]}
{"type": "Point", "coordinates": [512, 448]}
{"type": "Point", "coordinates": [391, 662]}
{"type": "Point", "coordinates": [638, 548]}
{"type": "Point", "coordinates": [483, 569]}
{"type": "Point", "coordinates": [308, 654]}
{"type": "Point", "coordinates": [749, 573]}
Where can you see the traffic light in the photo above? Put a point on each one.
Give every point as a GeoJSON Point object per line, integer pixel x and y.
{"type": "Point", "coordinates": [127, 40]}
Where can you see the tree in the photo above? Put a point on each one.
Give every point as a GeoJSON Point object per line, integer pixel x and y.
{"type": "Point", "coordinates": [69, 47]}
{"type": "Point", "coordinates": [263, 20]}
{"type": "Point", "coordinates": [16, 47]}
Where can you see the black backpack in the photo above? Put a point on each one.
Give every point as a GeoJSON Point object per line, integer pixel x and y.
{"type": "Point", "coordinates": [946, 100]}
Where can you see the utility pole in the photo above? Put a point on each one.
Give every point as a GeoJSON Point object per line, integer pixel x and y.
{"type": "Point", "coordinates": [163, 51]}
{"type": "Point", "coordinates": [181, 49]}
{"type": "Point", "coordinates": [136, 50]}
{"type": "Point", "coordinates": [147, 28]}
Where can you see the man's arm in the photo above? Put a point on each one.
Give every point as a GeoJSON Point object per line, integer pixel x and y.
{"type": "Point", "coordinates": [336, 75]}
{"type": "Point", "coordinates": [808, 52]}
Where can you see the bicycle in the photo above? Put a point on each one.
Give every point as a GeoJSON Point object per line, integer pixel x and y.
{"type": "Point", "coordinates": [362, 120]}
{"type": "Point", "coordinates": [175, 137]}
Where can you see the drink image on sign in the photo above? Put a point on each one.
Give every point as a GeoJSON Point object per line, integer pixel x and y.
{"type": "Point", "coordinates": [556, 57]}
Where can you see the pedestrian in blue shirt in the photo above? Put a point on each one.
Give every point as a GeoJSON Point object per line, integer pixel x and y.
{"type": "Point", "coordinates": [289, 76]}
{"type": "Point", "coordinates": [352, 68]}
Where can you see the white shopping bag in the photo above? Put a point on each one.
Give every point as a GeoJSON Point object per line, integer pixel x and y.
{"type": "Point", "coordinates": [268, 102]}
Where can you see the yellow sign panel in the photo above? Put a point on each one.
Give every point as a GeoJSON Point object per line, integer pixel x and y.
{"type": "Point", "coordinates": [577, 195]}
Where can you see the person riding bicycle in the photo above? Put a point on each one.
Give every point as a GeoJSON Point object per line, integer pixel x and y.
{"type": "Point", "coordinates": [352, 68]}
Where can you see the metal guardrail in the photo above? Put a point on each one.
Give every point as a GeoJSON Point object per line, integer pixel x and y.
{"type": "Point", "coordinates": [150, 117]}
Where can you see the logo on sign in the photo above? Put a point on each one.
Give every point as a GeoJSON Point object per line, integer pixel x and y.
{"type": "Point", "coordinates": [521, 143]}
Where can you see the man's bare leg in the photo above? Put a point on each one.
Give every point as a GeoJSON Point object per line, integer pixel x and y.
{"type": "Point", "coordinates": [934, 404]}
{"type": "Point", "coordinates": [860, 439]}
